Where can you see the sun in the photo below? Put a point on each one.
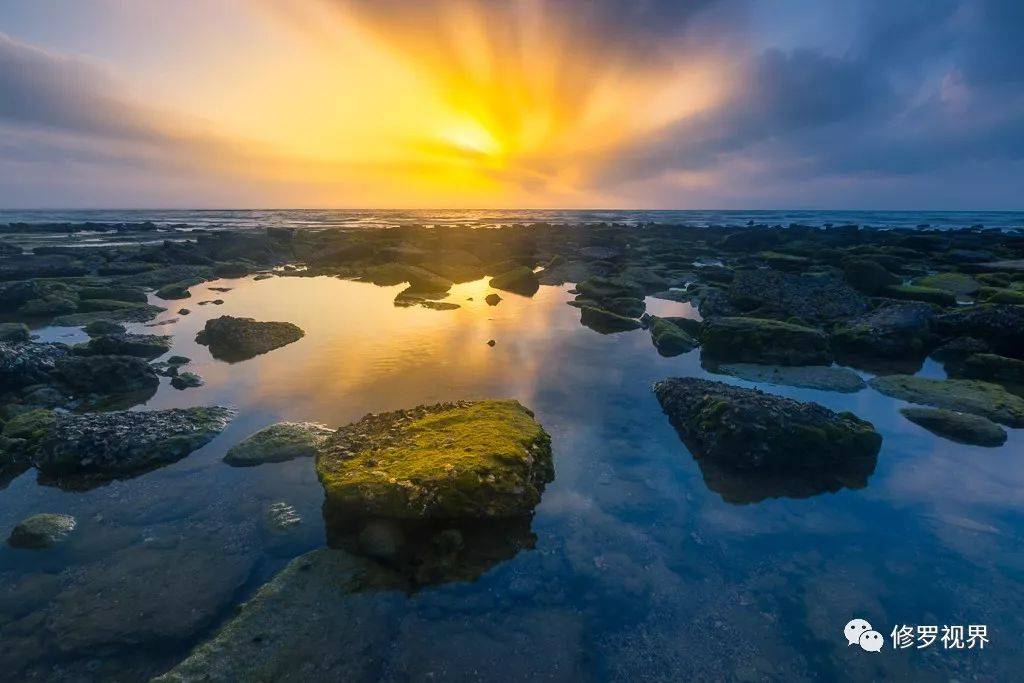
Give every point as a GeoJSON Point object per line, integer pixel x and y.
{"type": "Point", "coordinates": [472, 137]}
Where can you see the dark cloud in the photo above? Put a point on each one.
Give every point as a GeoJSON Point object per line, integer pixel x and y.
{"type": "Point", "coordinates": [922, 87]}
{"type": "Point", "coordinates": [38, 88]}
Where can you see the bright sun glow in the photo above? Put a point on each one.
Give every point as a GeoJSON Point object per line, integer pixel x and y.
{"type": "Point", "coordinates": [471, 136]}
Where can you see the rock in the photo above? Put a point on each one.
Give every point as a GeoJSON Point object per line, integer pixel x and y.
{"type": "Point", "coordinates": [178, 360]}
{"type": "Point", "coordinates": [13, 332]}
{"type": "Point", "coordinates": [381, 539]}
{"type": "Point", "coordinates": [491, 342]}
{"type": "Point", "coordinates": [519, 280]}
{"type": "Point", "coordinates": [106, 374]}
{"type": "Point", "coordinates": [279, 443]}
{"type": "Point", "coordinates": [1000, 295]}
{"type": "Point", "coordinates": [31, 427]}
{"type": "Point", "coordinates": [754, 340]}
{"type": "Point", "coordinates": [183, 311]}
{"type": "Point", "coordinates": [958, 348]}
{"type": "Point", "coordinates": [186, 380]}
{"type": "Point", "coordinates": [44, 530]}
{"type": "Point", "coordinates": [25, 364]}
{"type": "Point", "coordinates": [148, 346]}
{"type": "Point", "coordinates": [138, 313]}
{"type": "Point", "coordinates": [49, 305]}
{"type": "Point", "coordinates": [606, 322]}
{"type": "Point", "coordinates": [930, 295]}
{"type": "Point", "coordinates": [964, 395]}
{"type": "Point", "coordinates": [813, 298]}
{"type": "Point", "coordinates": [1001, 326]}
{"type": "Point", "coordinates": [821, 377]}
{"type": "Point", "coordinates": [956, 283]}
{"type": "Point", "coordinates": [98, 328]}
{"type": "Point", "coordinates": [484, 459]}
{"type": "Point", "coordinates": [890, 331]}
{"type": "Point", "coordinates": [236, 339]}
{"type": "Point", "coordinates": [116, 293]}
{"type": "Point", "coordinates": [669, 338]}
{"type": "Point", "coordinates": [492, 299]}
{"type": "Point", "coordinates": [747, 429]}
{"type": "Point", "coordinates": [868, 277]}
{"type": "Point", "coordinates": [956, 426]}
{"type": "Point", "coordinates": [318, 619]}
{"type": "Point", "coordinates": [177, 290]}
{"type": "Point", "coordinates": [101, 446]}
{"type": "Point", "coordinates": [990, 367]}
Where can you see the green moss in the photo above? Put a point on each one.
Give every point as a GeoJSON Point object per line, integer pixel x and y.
{"type": "Point", "coordinates": [915, 293]}
{"type": "Point", "coordinates": [999, 295]}
{"type": "Point", "coordinates": [483, 459]}
{"type": "Point", "coordinates": [91, 305]}
{"type": "Point", "coordinates": [957, 283]}
{"type": "Point", "coordinates": [969, 396]}
{"type": "Point", "coordinates": [760, 340]}
{"type": "Point", "coordinates": [132, 294]}
{"type": "Point", "coordinates": [520, 280]}
{"type": "Point", "coordinates": [670, 339]}
{"type": "Point", "coordinates": [177, 290]}
{"type": "Point", "coordinates": [31, 425]}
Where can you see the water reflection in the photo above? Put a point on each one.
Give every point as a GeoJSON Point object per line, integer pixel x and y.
{"type": "Point", "coordinates": [743, 488]}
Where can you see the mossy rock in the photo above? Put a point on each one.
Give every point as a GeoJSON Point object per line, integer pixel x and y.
{"type": "Point", "coordinates": [130, 294]}
{"type": "Point", "coordinates": [49, 305]}
{"type": "Point", "coordinates": [92, 305]}
{"type": "Point", "coordinates": [466, 460]}
{"type": "Point", "coordinates": [177, 290]}
{"type": "Point", "coordinates": [750, 430]}
{"type": "Point", "coordinates": [606, 322]}
{"type": "Point", "coordinates": [956, 426]}
{"type": "Point", "coordinates": [957, 283]}
{"type": "Point", "coordinates": [624, 306]}
{"type": "Point", "coordinates": [915, 293]}
{"type": "Point", "coordinates": [99, 328]}
{"type": "Point", "coordinates": [492, 299]}
{"type": "Point", "coordinates": [520, 280]}
{"type": "Point", "coordinates": [1000, 295]}
{"type": "Point", "coordinates": [13, 332]}
{"type": "Point", "coordinates": [867, 276]}
{"type": "Point", "coordinates": [32, 426]}
{"type": "Point", "coordinates": [603, 288]}
{"type": "Point", "coordinates": [757, 340]}
{"type": "Point", "coordinates": [989, 366]}
{"type": "Point", "coordinates": [235, 339]}
{"type": "Point", "coordinates": [964, 395]}
{"type": "Point", "coordinates": [669, 338]}
{"type": "Point", "coordinates": [279, 443]}
{"type": "Point", "coordinates": [44, 530]}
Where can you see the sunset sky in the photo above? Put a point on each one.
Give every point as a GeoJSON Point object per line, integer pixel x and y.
{"type": "Point", "coordinates": [531, 103]}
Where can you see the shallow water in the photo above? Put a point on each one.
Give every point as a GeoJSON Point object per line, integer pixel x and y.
{"type": "Point", "coordinates": [641, 568]}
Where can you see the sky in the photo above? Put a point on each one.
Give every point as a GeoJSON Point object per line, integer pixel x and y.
{"type": "Point", "coordinates": [674, 104]}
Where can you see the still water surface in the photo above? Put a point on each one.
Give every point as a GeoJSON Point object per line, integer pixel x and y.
{"type": "Point", "coordinates": [640, 570]}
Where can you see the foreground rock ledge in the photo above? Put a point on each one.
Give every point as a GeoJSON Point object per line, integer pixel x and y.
{"type": "Point", "coordinates": [465, 460]}
{"type": "Point", "coordinates": [749, 430]}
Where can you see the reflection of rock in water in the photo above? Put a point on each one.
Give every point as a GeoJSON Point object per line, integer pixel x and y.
{"type": "Point", "coordinates": [431, 551]}
{"type": "Point", "coordinates": [740, 487]}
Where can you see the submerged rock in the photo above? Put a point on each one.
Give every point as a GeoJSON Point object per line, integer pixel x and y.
{"type": "Point", "coordinates": [823, 377]}
{"type": "Point", "coordinates": [482, 459]}
{"type": "Point", "coordinates": [754, 340]}
{"type": "Point", "coordinates": [44, 530]}
{"type": "Point", "coordinates": [669, 338]}
{"type": "Point", "coordinates": [747, 429]}
{"type": "Point", "coordinates": [236, 339]}
{"type": "Point", "coordinates": [964, 395]}
{"type": "Point", "coordinates": [79, 449]}
{"type": "Point", "coordinates": [318, 619]}
{"type": "Point", "coordinates": [279, 443]}
{"type": "Point", "coordinates": [955, 426]}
